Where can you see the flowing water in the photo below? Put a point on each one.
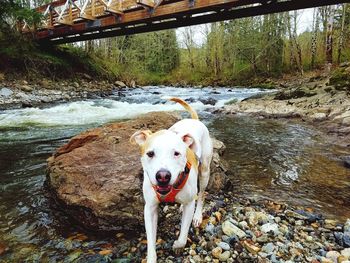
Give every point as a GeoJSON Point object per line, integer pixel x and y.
{"type": "Point", "coordinates": [278, 159]}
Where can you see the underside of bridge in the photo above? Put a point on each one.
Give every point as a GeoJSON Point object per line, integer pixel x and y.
{"type": "Point", "coordinates": [67, 21]}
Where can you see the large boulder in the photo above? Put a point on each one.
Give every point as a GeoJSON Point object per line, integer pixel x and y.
{"type": "Point", "coordinates": [97, 176]}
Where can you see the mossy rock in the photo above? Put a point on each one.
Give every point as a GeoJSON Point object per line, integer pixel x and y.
{"type": "Point", "coordinates": [231, 102]}
{"type": "Point", "coordinates": [340, 79]}
{"type": "Point", "coordinates": [264, 86]}
{"type": "Point", "coordinates": [294, 94]}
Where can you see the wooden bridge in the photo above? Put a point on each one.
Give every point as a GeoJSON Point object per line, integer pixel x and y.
{"type": "Point", "coordinates": [66, 21]}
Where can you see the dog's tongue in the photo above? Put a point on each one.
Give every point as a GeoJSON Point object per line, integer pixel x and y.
{"type": "Point", "coordinates": [163, 189]}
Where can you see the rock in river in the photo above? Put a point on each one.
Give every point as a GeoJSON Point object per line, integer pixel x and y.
{"type": "Point", "coordinates": [97, 175]}
{"type": "Point", "coordinates": [5, 92]}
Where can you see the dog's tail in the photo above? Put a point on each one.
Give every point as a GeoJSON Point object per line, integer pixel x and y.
{"type": "Point", "coordinates": [193, 113]}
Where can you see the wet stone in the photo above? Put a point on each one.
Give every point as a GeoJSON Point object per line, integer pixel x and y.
{"type": "Point", "coordinates": [216, 252]}
{"type": "Point", "coordinates": [346, 239]}
{"type": "Point", "coordinates": [268, 248]}
{"type": "Point", "coordinates": [270, 228]}
{"type": "Point", "coordinates": [224, 245]}
{"type": "Point", "coordinates": [346, 253]}
{"type": "Point", "coordinates": [210, 228]}
{"type": "Point", "coordinates": [263, 239]}
{"type": "Point", "coordinates": [5, 92]}
{"type": "Point", "coordinates": [230, 229]}
{"type": "Point", "coordinates": [347, 226]}
{"type": "Point", "coordinates": [333, 255]}
{"type": "Point", "coordinates": [290, 213]}
{"type": "Point", "coordinates": [224, 256]}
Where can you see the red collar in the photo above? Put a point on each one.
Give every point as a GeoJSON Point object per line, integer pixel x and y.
{"type": "Point", "coordinates": [176, 187]}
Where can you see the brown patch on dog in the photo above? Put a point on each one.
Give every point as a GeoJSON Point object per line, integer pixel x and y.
{"type": "Point", "coordinates": [192, 159]}
{"type": "Point", "coordinates": [149, 140]}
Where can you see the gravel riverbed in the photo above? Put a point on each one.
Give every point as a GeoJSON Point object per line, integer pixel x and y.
{"type": "Point", "coordinates": [245, 230]}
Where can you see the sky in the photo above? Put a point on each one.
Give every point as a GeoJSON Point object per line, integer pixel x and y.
{"type": "Point", "coordinates": [304, 23]}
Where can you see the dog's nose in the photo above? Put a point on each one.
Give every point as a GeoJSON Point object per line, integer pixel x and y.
{"type": "Point", "coordinates": [163, 177]}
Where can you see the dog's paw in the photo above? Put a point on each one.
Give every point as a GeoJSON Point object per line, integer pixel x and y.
{"type": "Point", "coordinates": [152, 258]}
{"type": "Point", "coordinates": [197, 219]}
{"type": "Point", "coordinates": [178, 246]}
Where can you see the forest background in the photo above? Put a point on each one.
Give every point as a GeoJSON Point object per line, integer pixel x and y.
{"type": "Point", "coordinates": [237, 52]}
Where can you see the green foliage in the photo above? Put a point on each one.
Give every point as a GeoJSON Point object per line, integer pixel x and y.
{"type": "Point", "coordinates": [13, 13]}
{"type": "Point", "coordinates": [146, 58]}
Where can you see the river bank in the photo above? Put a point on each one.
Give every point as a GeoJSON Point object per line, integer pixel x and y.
{"type": "Point", "coordinates": [323, 100]}
{"type": "Point", "coordinates": [23, 94]}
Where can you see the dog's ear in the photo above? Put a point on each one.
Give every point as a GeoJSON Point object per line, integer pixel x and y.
{"type": "Point", "coordinates": [140, 137]}
{"type": "Point", "coordinates": [188, 140]}
{"type": "Point", "coordinates": [192, 144]}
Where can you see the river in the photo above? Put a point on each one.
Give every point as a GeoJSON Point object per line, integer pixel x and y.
{"type": "Point", "coordinates": [284, 160]}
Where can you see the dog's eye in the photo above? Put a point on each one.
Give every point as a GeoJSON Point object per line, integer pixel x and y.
{"type": "Point", "coordinates": [176, 153]}
{"type": "Point", "coordinates": [150, 154]}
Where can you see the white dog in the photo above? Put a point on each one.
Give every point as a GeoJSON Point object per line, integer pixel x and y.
{"type": "Point", "coordinates": [172, 160]}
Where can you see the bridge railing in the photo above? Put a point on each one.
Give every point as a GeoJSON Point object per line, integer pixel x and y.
{"type": "Point", "coordinates": [67, 12]}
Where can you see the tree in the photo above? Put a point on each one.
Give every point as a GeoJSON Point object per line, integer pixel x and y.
{"type": "Point", "coordinates": [315, 26]}
{"type": "Point", "coordinates": [342, 33]}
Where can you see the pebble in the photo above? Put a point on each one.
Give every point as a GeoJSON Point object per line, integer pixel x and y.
{"type": "Point", "coordinates": [290, 213]}
{"type": "Point", "coordinates": [196, 259]}
{"type": "Point", "coordinates": [299, 223]}
{"type": "Point", "coordinates": [263, 239]}
{"type": "Point", "coordinates": [225, 238]}
{"type": "Point", "coordinates": [207, 259]}
{"type": "Point", "coordinates": [230, 229]}
{"type": "Point", "coordinates": [216, 252]}
{"type": "Point", "coordinates": [268, 248]}
{"type": "Point", "coordinates": [251, 247]}
{"type": "Point", "coordinates": [341, 259]}
{"type": "Point", "coordinates": [326, 260]}
{"type": "Point", "coordinates": [5, 92]}
{"type": "Point", "coordinates": [333, 255]}
{"type": "Point", "coordinates": [210, 228]}
{"type": "Point", "coordinates": [255, 218]}
{"type": "Point", "coordinates": [218, 216]}
{"type": "Point", "coordinates": [262, 254]}
{"type": "Point", "coordinates": [270, 227]}
{"type": "Point", "coordinates": [243, 225]}
{"type": "Point", "coordinates": [165, 209]}
{"type": "Point", "coordinates": [347, 226]}
{"type": "Point", "coordinates": [330, 223]}
{"type": "Point", "coordinates": [346, 239]}
{"type": "Point", "coordinates": [224, 256]}
{"type": "Point", "coordinates": [277, 219]}
{"type": "Point", "coordinates": [309, 239]}
{"type": "Point", "coordinates": [346, 253]}
{"type": "Point", "coordinates": [224, 246]}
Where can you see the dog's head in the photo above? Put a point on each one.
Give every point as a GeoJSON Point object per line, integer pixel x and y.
{"type": "Point", "coordinates": [164, 156]}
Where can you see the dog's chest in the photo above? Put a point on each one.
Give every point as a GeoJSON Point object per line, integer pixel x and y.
{"type": "Point", "coordinates": [187, 194]}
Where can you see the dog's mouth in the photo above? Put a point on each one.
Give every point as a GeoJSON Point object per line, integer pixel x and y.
{"type": "Point", "coordinates": [163, 189]}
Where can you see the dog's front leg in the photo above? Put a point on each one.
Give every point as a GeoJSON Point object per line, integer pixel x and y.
{"type": "Point", "coordinates": [151, 220]}
{"type": "Point", "coordinates": [187, 215]}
